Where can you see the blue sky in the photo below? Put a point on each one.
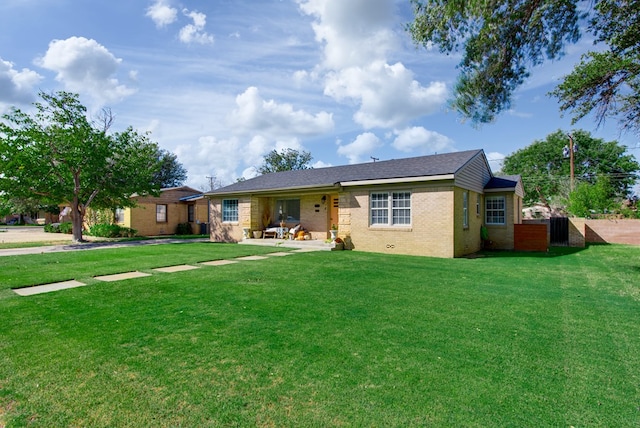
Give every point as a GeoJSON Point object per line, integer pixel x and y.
{"type": "Point", "coordinates": [221, 83]}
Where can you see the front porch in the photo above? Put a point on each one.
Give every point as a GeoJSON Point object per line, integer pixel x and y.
{"type": "Point", "coordinates": [309, 245]}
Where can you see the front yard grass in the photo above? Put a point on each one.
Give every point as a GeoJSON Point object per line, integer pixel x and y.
{"type": "Point", "coordinates": [323, 339]}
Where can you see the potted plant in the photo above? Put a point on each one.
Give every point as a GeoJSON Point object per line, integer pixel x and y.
{"type": "Point", "coordinates": [334, 232]}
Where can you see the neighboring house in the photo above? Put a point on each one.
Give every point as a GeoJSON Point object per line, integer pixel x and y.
{"type": "Point", "coordinates": [427, 206]}
{"type": "Point", "coordinates": [160, 215]}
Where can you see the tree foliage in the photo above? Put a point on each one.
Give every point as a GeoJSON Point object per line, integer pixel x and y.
{"type": "Point", "coordinates": [501, 40]}
{"type": "Point", "coordinates": [171, 173]}
{"type": "Point", "coordinates": [285, 160]}
{"type": "Point", "coordinates": [590, 198]}
{"type": "Point", "coordinates": [57, 155]}
{"type": "Point", "coordinates": [607, 83]}
{"type": "Point", "coordinates": [546, 172]}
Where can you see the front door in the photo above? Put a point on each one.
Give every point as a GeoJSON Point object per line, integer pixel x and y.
{"type": "Point", "coordinates": [333, 210]}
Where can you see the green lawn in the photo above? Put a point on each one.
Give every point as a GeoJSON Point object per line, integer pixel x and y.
{"type": "Point", "coordinates": [323, 339]}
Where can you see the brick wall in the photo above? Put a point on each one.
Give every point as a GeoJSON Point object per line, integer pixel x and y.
{"type": "Point", "coordinates": [430, 234]}
{"type": "Point", "coordinates": [501, 236]}
{"type": "Point", "coordinates": [613, 231]}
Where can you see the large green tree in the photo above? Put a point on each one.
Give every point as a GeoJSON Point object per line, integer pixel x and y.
{"type": "Point", "coordinates": [171, 172]}
{"type": "Point", "coordinates": [502, 40]}
{"type": "Point", "coordinates": [285, 160]}
{"type": "Point", "coordinates": [59, 156]}
{"type": "Point", "coordinates": [545, 166]}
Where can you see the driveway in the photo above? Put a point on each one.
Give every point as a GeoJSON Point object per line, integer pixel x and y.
{"type": "Point", "coordinates": [12, 234]}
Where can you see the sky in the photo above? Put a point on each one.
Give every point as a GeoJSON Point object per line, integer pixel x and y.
{"type": "Point", "coordinates": [222, 83]}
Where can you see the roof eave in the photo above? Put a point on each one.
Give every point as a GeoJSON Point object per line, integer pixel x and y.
{"type": "Point", "coordinates": [315, 188]}
{"type": "Point", "coordinates": [398, 180]}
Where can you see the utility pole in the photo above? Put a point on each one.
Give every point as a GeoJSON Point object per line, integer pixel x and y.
{"type": "Point", "coordinates": [572, 148]}
{"type": "Point", "coordinates": [211, 182]}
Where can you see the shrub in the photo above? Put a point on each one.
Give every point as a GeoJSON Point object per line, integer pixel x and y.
{"type": "Point", "coordinates": [184, 229]}
{"type": "Point", "coordinates": [52, 228]}
{"type": "Point", "coordinates": [65, 227]}
{"type": "Point", "coordinates": [106, 230]}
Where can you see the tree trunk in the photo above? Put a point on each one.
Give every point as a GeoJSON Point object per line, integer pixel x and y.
{"type": "Point", "coordinates": [77, 219]}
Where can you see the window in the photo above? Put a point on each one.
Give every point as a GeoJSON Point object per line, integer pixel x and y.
{"type": "Point", "coordinates": [390, 209]}
{"type": "Point", "coordinates": [229, 210]}
{"type": "Point", "coordinates": [161, 213]}
{"type": "Point", "coordinates": [191, 217]}
{"type": "Point", "coordinates": [478, 205]}
{"type": "Point", "coordinates": [495, 209]}
{"type": "Point", "coordinates": [465, 210]}
{"type": "Point", "coordinates": [119, 215]}
{"type": "Point", "coordinates": [288, 210]}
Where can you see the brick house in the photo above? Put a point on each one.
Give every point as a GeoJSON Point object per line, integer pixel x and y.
{"type": "Point", "coordinates": [429, 205]}
{"type": "Point", "coordinates": [160, 215]}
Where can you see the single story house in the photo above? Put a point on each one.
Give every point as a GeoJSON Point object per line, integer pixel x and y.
{"type": "Point", "coordinates": [429, 205]}
{"type": "Point", "coordinates": [160, 215]}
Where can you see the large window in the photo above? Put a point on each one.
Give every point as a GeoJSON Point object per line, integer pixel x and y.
{"type": "Point", "coordinates": [288, 210]}
{"type": "Point", "coordinates": [191, 213]}
{"type": "Point", "coordinates": [229, 210]}
{"type": "Point", "coordinates": [465, 210]}
{"type": "Point", "coordinates": [390, 208]}
{"type": "Point", "coordinates": [495, 210]}
{"type": "Point", "coordinates": [161, 213]}
{"type": "Point", "coordinates": [119, 217]}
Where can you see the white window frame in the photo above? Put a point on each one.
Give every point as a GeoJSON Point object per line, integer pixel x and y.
{"type": "Point", "coordinates": [465, 209]}
{"type": "Point", "coordinates": [162, 215]}
{"type": "Point", "coordinates": [390, 208]}
{"type": "Point", "coordinates": [230, 210]}
{"type": "Point", "coordinates": [493, 212]}
{"type": "Point", "coordinates": [478, 200]}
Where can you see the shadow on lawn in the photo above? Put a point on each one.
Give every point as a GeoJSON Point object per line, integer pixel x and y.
{"type": "Point", "coordinates": [551, 252]}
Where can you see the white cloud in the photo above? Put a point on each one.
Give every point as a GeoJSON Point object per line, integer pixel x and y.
{"type": "Point", "coordinates": [85, 66]}
{"type": "Point", "coordinates": [253, 114]}
{"type": "Point", "coordinates": [17, 86]}
{"type": "Point", "coordinates": [194, 33]}
{"type": "Point", "coordinates": [388, 94]}
{"type": "Point", "coordinates": [212, 157]}
{"type": "Point", "coordinates": [362, 147]}
{"type": "Point", "coordinates": [162, 14]}
{"type": "Point", "coordinates": [354, 32]}
{"type": "Point", "coordinates": [357, 39]}
{"type": "Point", "coordinates": [320, 164]}
{"type": "Point", "coordinates": [421, 140]}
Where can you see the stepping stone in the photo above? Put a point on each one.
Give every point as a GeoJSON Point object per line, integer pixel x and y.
{"type": "Point", "coordinates": [252, 258]}
{"type": "Point", "coordinates": [280, 254]}
{"type": "Point", "coordinates": [121, 276]}
{"type": "Point", "coordinates": [46, 288]}
{"type": "Point", "coordinates": [219, 262]}
{"type": "Point", "coordinates": [179, 268]}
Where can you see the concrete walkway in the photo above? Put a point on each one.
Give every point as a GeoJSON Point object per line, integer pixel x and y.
{"type": "Point", "coordinates": [35, 234]}
{"type": "Point", "coordinates": [47, 288]}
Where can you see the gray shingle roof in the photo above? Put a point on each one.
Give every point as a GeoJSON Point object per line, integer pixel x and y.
{"type": "Point", "coordinates": [503, 182]}
{"type": "Point", "coordinates": [422, 166]}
